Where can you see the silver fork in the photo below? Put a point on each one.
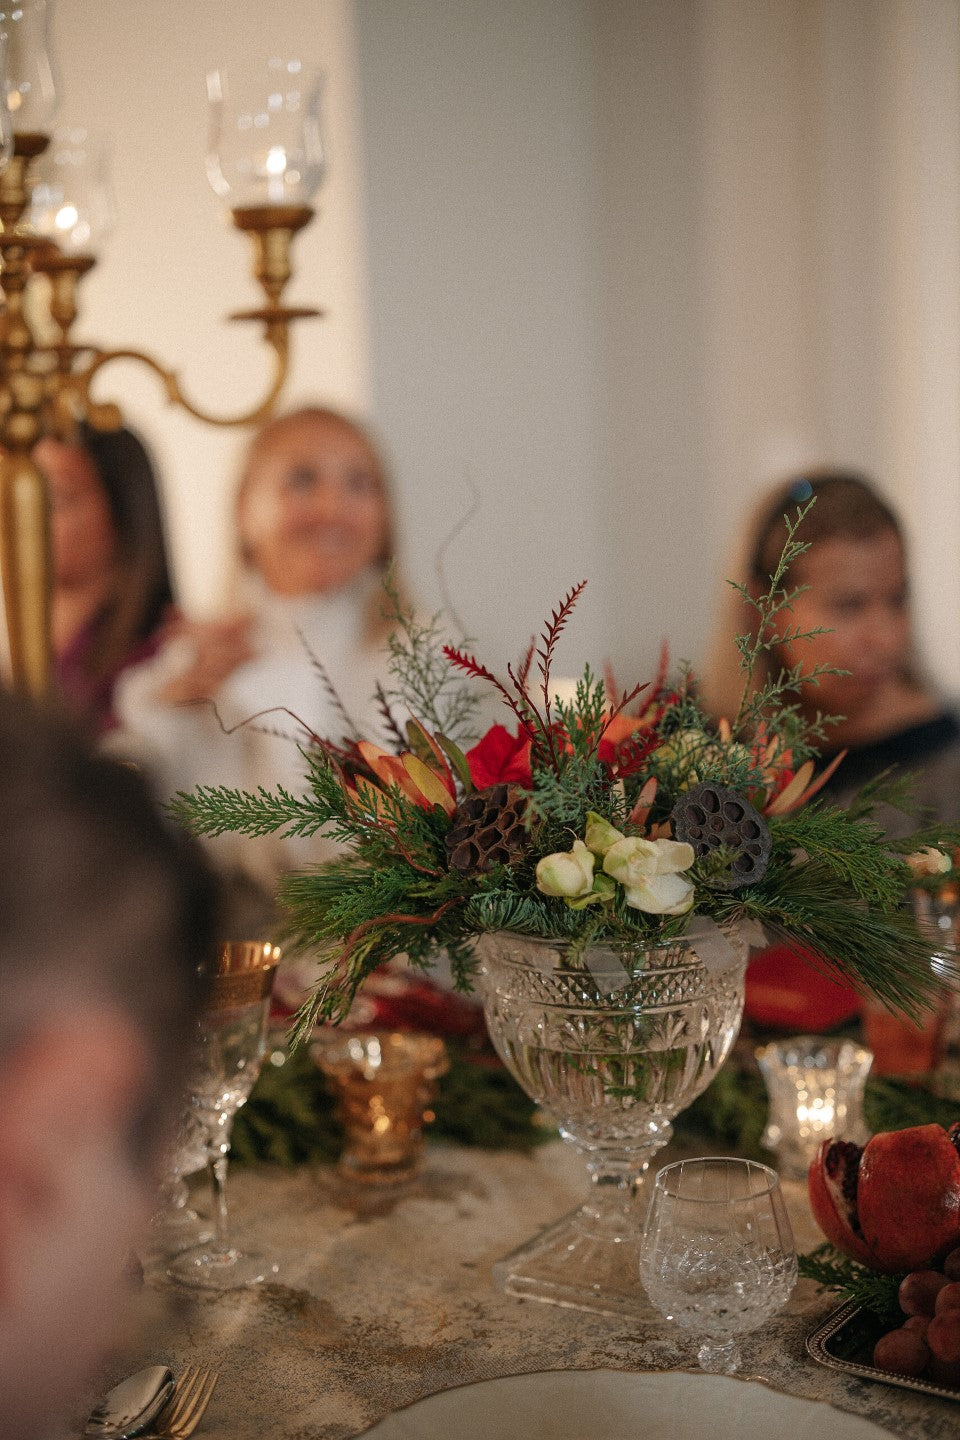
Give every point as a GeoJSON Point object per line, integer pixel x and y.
{"type": "Point", "coordinates": [186, 1407]}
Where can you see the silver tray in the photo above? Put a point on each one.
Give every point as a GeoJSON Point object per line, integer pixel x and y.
{"type": "Point", "coordinates": [845, 1342]}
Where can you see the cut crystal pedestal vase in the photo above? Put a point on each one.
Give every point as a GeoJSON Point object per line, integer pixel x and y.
{"type": "Point", "coordinates": [613, 1042]}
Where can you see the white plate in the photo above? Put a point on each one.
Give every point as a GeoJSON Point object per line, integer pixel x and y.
{"type": "Point", "coordinates": [619, 1405]}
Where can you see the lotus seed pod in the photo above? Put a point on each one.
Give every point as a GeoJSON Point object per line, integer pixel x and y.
{"type": "Point", "coordinates": [710, 817]}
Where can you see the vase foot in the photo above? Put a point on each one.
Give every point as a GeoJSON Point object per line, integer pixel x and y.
{"type": "Point", "coordinates": [575, 1264]}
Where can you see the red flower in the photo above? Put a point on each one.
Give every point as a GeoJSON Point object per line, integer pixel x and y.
{"type": "Point", "coordinates": [500, 758]}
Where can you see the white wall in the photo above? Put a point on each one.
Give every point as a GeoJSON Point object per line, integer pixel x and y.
{"type": "Point", "coordinates": [481, 181]}
{"type": "Point", "coordinates": [830, 234]}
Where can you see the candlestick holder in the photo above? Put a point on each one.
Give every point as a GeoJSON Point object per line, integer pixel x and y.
{"type": "Point", "coordinates": [383, 1083]}
{"type": "Point", "coordinates": [266, 157]}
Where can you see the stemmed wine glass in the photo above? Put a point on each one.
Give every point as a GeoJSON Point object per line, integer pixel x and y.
{"type": "Point", "coordinates": [176, 1226]}
{"type": "Point", "coordinates": [232, 1041]}
{"type": "Point", "coordinates": [718, 1255]}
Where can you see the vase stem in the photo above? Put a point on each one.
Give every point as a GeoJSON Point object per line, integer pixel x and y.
{"type": "Point", "coordinates": [617, 1181]}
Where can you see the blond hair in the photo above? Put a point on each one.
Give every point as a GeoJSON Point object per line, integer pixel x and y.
{"type": "Point", "coordinates": [378, 618]}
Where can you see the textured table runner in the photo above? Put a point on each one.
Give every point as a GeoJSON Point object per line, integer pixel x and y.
{"type": "Point", "coordinates": [384, 1298]}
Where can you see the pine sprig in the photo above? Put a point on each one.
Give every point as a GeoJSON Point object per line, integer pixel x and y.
{"type": "Point", "coordinates": [893, 1104]}
{"type": "Point", "coordinates": [218, 810]}
{"type": "Point", "coordinates": [879, 953]}
{"type": "Point", "coordinates": [423, 680]}
{"type": "Point", "coordinates": [854, 854]}
{"type": "Point", "coordinates": [831, 1270]}
{"type": "Point", "coordinates": [771, 633]}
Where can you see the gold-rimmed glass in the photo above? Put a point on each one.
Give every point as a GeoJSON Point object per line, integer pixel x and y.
{"type": "Point", "coordinates": [232, 1037]}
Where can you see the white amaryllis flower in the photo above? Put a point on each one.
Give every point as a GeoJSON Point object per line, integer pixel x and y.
{"type": "Point", "coordinates": [929, 861]}
{"type": "Point", "coordinates": [566, 873]}
{"type": "Point", "coordinates": [650, 872]}
{"type": "Point", "coordinates": [663, 895]}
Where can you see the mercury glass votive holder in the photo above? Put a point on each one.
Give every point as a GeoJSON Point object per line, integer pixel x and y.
{"type": "Point", "coordinates": [815, 1088]}
{"type": "Point", "coordinates": [384, 1083]}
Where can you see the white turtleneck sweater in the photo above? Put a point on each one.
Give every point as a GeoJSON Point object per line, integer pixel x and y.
{"type": "Point", "coordinates": [184, 745]}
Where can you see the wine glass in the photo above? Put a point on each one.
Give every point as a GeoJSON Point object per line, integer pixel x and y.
{"type": "Point", "coordinates": [718, 1256]}
{"type": "Point", "coordinates": [176, 1225]}
{"type": "Point", "coordinates": [232, 1041]}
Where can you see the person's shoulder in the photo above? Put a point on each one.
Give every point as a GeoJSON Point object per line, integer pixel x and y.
{"type": "Point", "coordinates": [911, 744]}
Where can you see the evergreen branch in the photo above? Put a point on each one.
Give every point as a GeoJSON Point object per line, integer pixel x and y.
{"type": "Point", "coordinates": [877, 1293]}
{"type": "Point", "coordinates": [766, 636]}
{"type": "Point", "coordinates": [217, 810]}
{"type": "Point", "coordinates": [876, 952]}
{"type": "Point", "coordinates": [853, 854]}
{"type": "Point", "coordinates": [424, 683]}
{"type": "Point", "coordinates": [895, 1104]}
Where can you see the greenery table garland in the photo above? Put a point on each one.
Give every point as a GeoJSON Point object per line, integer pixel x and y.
{"type": "Point", "coordinates": [289, 1119]}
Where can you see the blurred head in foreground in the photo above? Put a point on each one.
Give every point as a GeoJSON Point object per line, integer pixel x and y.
{"type": "Point", "coordinates": [106, 914]}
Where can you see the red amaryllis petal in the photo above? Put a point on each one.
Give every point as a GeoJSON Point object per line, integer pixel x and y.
{"type": "Point", "coordinates": [499, 758]}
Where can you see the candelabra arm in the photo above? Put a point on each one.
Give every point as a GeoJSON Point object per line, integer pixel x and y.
{"type": "Point", "coordinates": [105, 414]}
{"type": "Point", "coordinates": [25, 567]}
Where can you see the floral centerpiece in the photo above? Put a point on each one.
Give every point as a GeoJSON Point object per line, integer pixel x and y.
{"type": "Point", "coordinates": [595, 863]}
{"type": "Point", "coordinates": [611, 816]}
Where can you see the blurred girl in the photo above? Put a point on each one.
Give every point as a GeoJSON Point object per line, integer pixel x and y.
{"type": "Point", "coordinates": [305, 635]}
{"type": "Point", "coordinates": [887, 714]}
{"type": "Point", "coordinates": [111, 580]}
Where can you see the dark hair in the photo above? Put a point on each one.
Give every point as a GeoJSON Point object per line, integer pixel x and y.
{"type": "Point", "coordinates": [848, 507]}
{"type": "Point", "coordinates": [142, 590]}
{"type": "Point", "coordinates": [100, 898]}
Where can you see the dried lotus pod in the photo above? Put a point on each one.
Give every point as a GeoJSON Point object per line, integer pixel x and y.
{"type": "Point", "coordinates": [710, 816]}
{"type": "Point", "coordinates": [487, 829]}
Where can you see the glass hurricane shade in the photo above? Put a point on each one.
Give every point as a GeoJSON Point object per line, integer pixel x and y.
{"type": "Point", "coordinates": [265, 141]}
{"type": "Point", "coordinates": [71, 202]}
{"type": "Point", "coordinates": [31, 93]}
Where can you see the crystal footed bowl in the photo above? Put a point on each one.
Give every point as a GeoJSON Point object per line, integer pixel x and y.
{"type": "Point", "coordinates": [613, 1043]}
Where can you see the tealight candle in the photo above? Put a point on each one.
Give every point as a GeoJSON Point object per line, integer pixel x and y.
{"type": "Point", "coordinates": [815, 1088]}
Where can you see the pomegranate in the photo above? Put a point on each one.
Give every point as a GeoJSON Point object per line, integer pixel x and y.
{"type": "Point", "coordinates": [894, 1204]}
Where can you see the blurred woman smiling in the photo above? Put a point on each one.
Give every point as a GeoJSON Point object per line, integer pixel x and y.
{"type": "Point", "coordinates": [314, 537]}
{"type": "Point", "coordinates": [854, 597]}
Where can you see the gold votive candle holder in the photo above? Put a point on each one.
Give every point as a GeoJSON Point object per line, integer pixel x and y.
{"type": "Point", "coordinates": [384, 1083]}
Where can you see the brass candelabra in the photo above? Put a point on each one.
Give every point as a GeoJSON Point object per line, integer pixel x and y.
{"type": "Point", "coordinates": [46, 384]}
